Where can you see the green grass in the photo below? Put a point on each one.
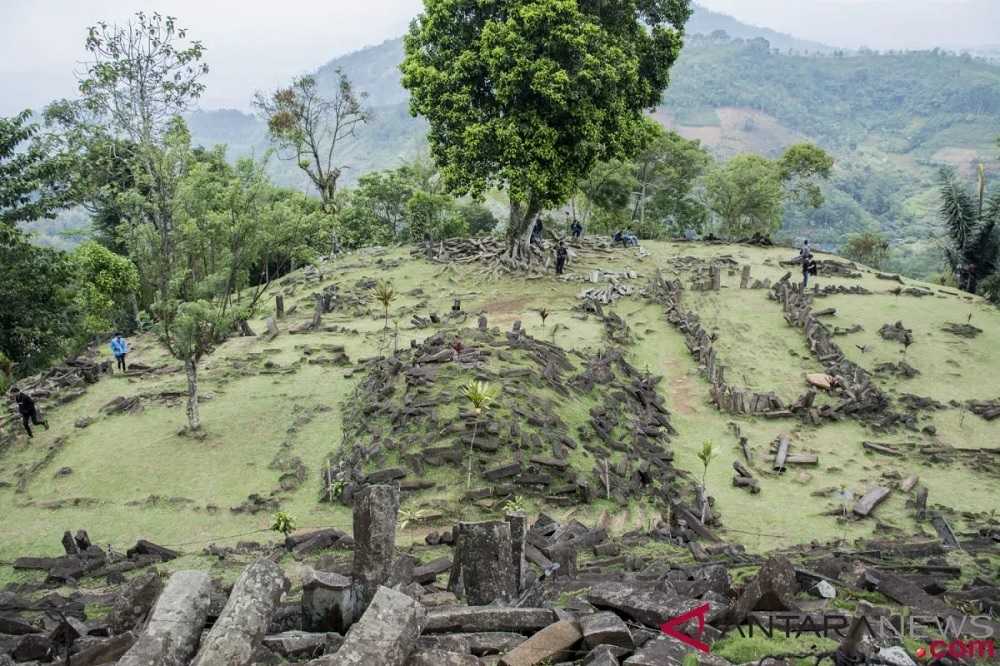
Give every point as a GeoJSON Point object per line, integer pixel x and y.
{"type": "Point", "coordinates": [743, 649]}
{"type": "Point", "coordinates": [252, 413]}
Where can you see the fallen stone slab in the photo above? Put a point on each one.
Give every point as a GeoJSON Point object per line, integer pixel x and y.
{"type": "Point", "coordinates": [170, 637]}
{"type": "Point", "coordinates": [426, 573]}
{"type": "Point", "coordinates": [134, 602]}
{"type": "Point", "coordinates": [605, 629]}
{"type": "Point", "coordinates": [442, 658]}
{"type": "Point", "coordinates": [302, 644]}
{"type": "Point", "coordinates": [15, 626]}
{"type": "Point", "coordinates": [552, 644]}
{"type": "Point", "coordinates": [386, 634]}
{"type": "Point", "coordinates": [143, 547]}
{"type": "Point", "coordinates": [667, 651]}
{"type": "Point", "coordinates": [104, 652]}
{"type": "Point", "coordinates": [864, 506]}
{"type": "Point", "coordinates": [244, 619]}
{"type": "Point", "coordinates": [644, 603]}
{"type": "Point", "coordinates": [488, 619]}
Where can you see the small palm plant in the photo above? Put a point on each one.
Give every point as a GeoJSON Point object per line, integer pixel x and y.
{"type": "Point", "coordinates": [283, 522]}
{"type": "Point", "coordinates": [544, 314]}
{"type": "Point", "coordinates": [706, 455]}
{"type": "Point", "coordinates": [514, 505]}
{"type": "Point", "coordinates": [481, 395]}
{"type": "Point", "coordinates": [385, 294]}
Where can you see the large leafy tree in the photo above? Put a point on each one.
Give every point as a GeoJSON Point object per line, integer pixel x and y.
{"type": "Point", "coordinates": [314, 130]}
{"type": "Point", "coordinates": [38, 315]}
{"type": "Point", "coordinates": [667, 169]}
{"type": "Point", "coordinates": [748, 192]}
{"type": "Point", "coordinates": [972, 219]}
{"type": "Point", "coordinates": [33, 178]}
{"type": "Point", "coordinates": [528, 95]}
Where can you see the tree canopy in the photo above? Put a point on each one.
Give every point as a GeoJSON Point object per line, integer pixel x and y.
{"type": "Point", "coordinates": [528, 95]}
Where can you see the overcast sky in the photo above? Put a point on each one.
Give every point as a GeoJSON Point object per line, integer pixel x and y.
{"type": "Point", "coordinates": [255, 44]}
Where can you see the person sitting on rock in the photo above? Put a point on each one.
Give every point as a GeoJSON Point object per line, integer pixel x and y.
{"type": "Point", "coordinates": [26, 408]}
{"type": "Point", "coordinates": [119, 347]}
{"type": "Point", "coordinates": [562, 254]}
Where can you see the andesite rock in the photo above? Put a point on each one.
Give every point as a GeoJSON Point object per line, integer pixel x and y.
{"type": "Point", "coordinates": [327, 601]}
{"type": "Point", "coordinates": [375, 512]}
{"type": "Point", "coordinates": [244, 620]}
{"type": "Point", "coordinates": [171, 635]}
{"type": "Point", "coordinates": [605, 628]}
{"type": "Point", "coordinates": [385, 635]}
{"type": "Point", "coordinates": [550, 645]}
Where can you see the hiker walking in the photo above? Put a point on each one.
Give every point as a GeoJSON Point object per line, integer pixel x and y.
{"type": "Point", "coordinates": [26, 408]}
{"type": "Point", "coordinates": [561, 255]}
{"type": "Point", "coordinates": [119, 347]}
{"type": "Point", "coordinates": [576, 229]}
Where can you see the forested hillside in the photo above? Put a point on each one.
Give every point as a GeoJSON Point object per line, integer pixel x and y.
{"type": "Point", "coordinates": [891, 120]}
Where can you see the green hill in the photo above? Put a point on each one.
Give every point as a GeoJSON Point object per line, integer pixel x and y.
{"type": "Point", "coordinates": [596, 430]}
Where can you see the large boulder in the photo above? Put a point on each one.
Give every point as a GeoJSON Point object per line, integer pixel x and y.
{"type": "Point", "coordinates": [244, 620]}
{"type": "Point", "coordinates": [327, 601]}
{"type": "Point", "coordinates": [645, 604]}
{"type": "Point", "coordinates": [134, 602]}
{"type": "Point", "coordinates": [773, 589]}
{"type": "Point", "coordinates": [488, 619]}
{"type": "Point", "coordinates": [386, 634]}
{"type": "Point", "coordinates": [170, 637]}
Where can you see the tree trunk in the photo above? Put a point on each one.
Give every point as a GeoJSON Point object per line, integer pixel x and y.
{"type": "Point", "coordinates": [519, 226]}
{"type": "Point", "coordinates": [191, 369]}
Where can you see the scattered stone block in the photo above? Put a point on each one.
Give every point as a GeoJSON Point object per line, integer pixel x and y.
{"type": "Point", "coordinates": [171, 635]}
{"type": "Point", "coordinates": [327, 601]}
{"type": "Point", "coordinates": [386, 634]}
{"type": "Point", "coordinates": [550, 645]}
{"type": "Point", "coordinates": [605, 628]}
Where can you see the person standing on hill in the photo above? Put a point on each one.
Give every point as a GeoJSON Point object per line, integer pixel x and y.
{"type": "Point", "coordinates": [576, 229]}
{"type": "Point", "coordinates": [26, 408]}
{"type": "Point", "coordinates": [119, 347]}
{"type": "Point", "coordinates": [561, 255]}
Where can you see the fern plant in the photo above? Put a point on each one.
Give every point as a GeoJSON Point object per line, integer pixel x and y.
{"type": "Point", "coordinates": [385, 294]}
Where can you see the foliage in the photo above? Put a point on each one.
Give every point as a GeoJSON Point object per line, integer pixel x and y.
{"type": "Point", "coordinates": [312, 129]}
{"type": "Point", "coordinates": [515, 504]}
{"type": "Point", "coordinates": [283, 522]}
{"type": "Point", "coordinates": [142, 74]}
{"type": "Point", "coordinates": [989, 289]}
{"type": "Point", "coordinates": [108, 283]}
{"type": "Point", "coordinates": [799, 167]}
{"type": "Point", "coordinates": [745, 193]}
{"type": "Point", "coordinates": [667, 171]}
{"type": "Point", "coordinates": [531, 98]}
{"type": "Point", "coordinates": [190, 330]}
{"type": "Point", "coordinates": [972, 220]}
{"type": "Point", "coordinates": [869, 248]}
{"type": "Point", "coordinates": [33, 179]}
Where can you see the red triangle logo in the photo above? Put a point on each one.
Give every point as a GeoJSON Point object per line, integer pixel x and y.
{"type": "Point", "coordinates": [672, 627]}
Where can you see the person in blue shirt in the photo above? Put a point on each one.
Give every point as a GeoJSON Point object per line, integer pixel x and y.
{"type": "Point", "coordinates": [119, 348]}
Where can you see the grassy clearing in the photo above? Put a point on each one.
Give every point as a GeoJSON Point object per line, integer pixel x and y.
{"type": "Point", "coordinates": [134, 477]}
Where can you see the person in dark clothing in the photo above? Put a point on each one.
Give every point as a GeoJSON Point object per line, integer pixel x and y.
{"type": "Point", "coordinates": [562, 254]}
{"type": "Point", "coordinates": [26, 408]}
{"type": "Point", "coordinates": [619, 237]}
{"type": "Point", "coordinates": [809, 267]}
{"type": "Point", "coordinates": [576, 229]}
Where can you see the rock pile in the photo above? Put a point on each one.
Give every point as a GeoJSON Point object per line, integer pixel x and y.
{"type": "Point", "coordinates": [514, 596]}
{"type": "Point", "coordinates": [402, 421]}
{"type": "Point", "coordinates": [859, 396]}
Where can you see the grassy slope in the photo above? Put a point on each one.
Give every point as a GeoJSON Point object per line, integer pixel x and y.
{"type": "Point", "coordinates": [254, 410]}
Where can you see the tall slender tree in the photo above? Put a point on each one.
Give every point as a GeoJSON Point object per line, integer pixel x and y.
{"type": "Point", "coordinates": [141, 76]}
{"type": "Point", "coordinates": [314, 130]}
